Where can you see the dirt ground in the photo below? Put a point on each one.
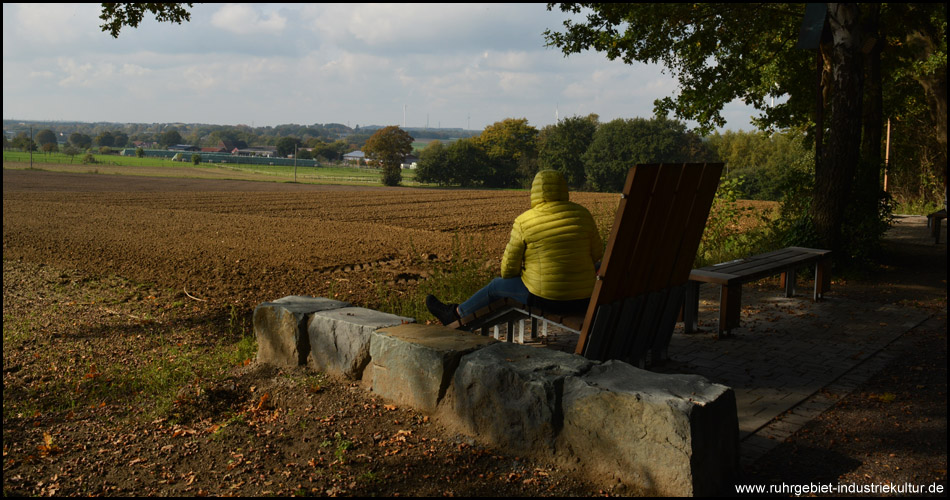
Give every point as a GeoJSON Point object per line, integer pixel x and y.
{"type": "Point", "coordinates": [103, 269]}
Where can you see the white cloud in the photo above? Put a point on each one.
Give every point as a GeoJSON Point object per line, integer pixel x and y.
{"type": "Point", "coordinates": [50, 24]}
{"type": "Point", "coordinates": [244, 19]}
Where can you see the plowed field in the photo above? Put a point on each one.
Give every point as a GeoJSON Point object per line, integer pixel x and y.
{"type": "Point", "coordinates": [249, 242]}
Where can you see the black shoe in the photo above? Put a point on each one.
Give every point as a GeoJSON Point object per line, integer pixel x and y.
{"type": "Point", "coordinates": [446, 313]}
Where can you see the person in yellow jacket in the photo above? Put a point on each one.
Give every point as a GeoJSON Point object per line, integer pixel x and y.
{"type": "Point", "coordinates": [550, 261]}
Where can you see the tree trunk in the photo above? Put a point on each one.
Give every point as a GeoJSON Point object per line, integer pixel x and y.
{"type": "Point", "coordinates": [867, 182]}
{"type": "Point", "coordinates": [835, 172]}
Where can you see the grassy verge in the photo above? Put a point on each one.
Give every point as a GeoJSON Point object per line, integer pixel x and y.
{"type": "Point", "coordinates": [72, 341]}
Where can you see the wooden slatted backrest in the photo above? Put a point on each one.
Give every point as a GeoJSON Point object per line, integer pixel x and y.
{"type": "Point", "coordinates": [650, 253]}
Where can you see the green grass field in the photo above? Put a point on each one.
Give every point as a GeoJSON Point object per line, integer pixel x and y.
{"type": "Point", "coordinates": [151, 166]}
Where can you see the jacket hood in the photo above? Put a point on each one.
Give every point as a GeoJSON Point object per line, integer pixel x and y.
{"type": "Point", "coordinates": [548, 185]}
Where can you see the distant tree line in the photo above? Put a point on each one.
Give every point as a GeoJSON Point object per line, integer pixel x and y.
{"type": "Point", "coordinates": [591, 155]}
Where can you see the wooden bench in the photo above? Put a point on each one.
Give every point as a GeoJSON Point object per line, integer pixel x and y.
{"type": "Point", "coordinates": [643, 278]}
{"type": "Point", "coordinates": [933, 222]}
{"type": "Point", "coordinates": [730, 276]}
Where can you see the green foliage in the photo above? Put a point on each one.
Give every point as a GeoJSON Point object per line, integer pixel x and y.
{"type": "Point", "coordinates": [195, 159]}
{"type": "Point", "coordinates": [105, 139]}
{"type": "Point", "coordinates": [117, 15]}
{"type": "Point", "coordinates": [139, 153]}
{"type": "Point", "coordinates": [794, 225]}
{"type": "Point", "coordinates": [469, 164]}
{"type": "Point", "coordinates": [81, 141]}
{"type": "Point", "coordinates": [169, 137]}
{"type": "Point", "coordinates": [389, 147]}
{"type": "Point", "coordinates": [718, 52]}
{"type": "Point", "coordinates": [765, 161]}
{"type": "Point", "coordinates": [433, 165]}
{"type": "Point", "coordinates": [512, 149]}
{"type": "Point", "coordinates": [23, 142]}
{"type": "Point", "coordinates": [621, 144]}
{"type": "Point", "coordinates": [44, 137]}
{"type": "Point", "coordinates": [562, 146]}
{"type": "Point", "coordinates": [732, 231]}
{"type": "Point", "coordinates": [71, 152]}
{"type": "Point", "coordinates": [89, 159]}
{"type": "Point", "coordinates": [286, 146]}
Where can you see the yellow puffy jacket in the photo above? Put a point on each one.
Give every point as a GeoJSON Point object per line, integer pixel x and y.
{"type": "Point", "coordinates": [554, 245]}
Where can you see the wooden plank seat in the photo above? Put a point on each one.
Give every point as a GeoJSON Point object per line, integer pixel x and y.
{"type": "Point", "coordinates": [730, 276]}
{"type": "Point", "coordinates": [642, 280]}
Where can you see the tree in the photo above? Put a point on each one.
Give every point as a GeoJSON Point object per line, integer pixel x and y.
{"type": "Point", "coordinates": [469, 165]}
{"type": "Point", "coordinates": [562, 146]}
{"type": "Point", "coordinates": [81, 141]}
{"type": "Point", "coordinates": [105, 139]}
{"type": "Point", "coordinates": [622, 143]}
{"type": "Point", "coordinates": [71, 152]}
{"type": "Point", "coordinates": [286, 146]}
{"type": "Point", "coordinates": [512, 147]}
{"type": "Point", "coordinates": [389, 147]}
{"type": "Point", "coordinates": [723, 52]}
{"type": "Point", "coordinates": [44, 137]}
{"type": "Point", "coordinates": [120, 139]}
{"type": "Point", "coordinates": [169, 137]}
{"type": "Point", "coordinates": [23, 142]}
{"type": "Point", "coordinates": [117, 15]}
{"type": "Point", "coordinates": [434, 165]}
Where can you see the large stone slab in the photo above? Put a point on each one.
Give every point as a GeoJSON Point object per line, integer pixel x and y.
{"type": "Point", "coordinates": [340, 338]}
{"type": "Point", "coordinates": [281, 328]}
{"type": "Point", "coordinates": [510, 394]}
{"type": "Point", "coordinates": [413, 364]}
{"type": "Point", "coordinates": [667, 435]}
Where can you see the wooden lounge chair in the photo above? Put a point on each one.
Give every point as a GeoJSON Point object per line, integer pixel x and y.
{"type": "Point", "coordinates": [642, 281]}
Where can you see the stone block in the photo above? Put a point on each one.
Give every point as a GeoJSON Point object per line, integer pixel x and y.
{"type": "Point", "coordinates": [510, 395]}
{"type": "Point", "coordinates": [413, 364]}
{"type": "Point", "coordinates": [281, 328]}
{"type": "Point", "coordinates": [340, 339]}
{"type": "Point", "coordinates": [659, 434]}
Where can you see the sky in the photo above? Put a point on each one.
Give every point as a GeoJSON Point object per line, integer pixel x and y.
{"type": "Point", "coordinates": [415, 65]}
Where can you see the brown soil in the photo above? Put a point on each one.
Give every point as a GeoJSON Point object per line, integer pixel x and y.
{"type": "Point", "coordinates": [110, 269]}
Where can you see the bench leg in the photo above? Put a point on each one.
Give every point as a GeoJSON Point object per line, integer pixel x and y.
{"type": "Point", "coordinates": [691, 307]}
{"type": "Point", "coordinates": [730, 299]}
{"type": "Point", "coordinates": [788, 281]}
{"type": "Point", "coordinates": [822, 278]}
{"type": "Point", "coordinates": [521, 331]}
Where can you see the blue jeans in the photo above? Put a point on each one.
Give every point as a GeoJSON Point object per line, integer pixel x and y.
{"type": "Point", "coordinates": [499, 288]}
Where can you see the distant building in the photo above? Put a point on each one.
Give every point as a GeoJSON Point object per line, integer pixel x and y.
{"type": "Point", "coordinates": [265, 151]}
{"type": "Point", "coordinates": [183, 147]}
{"type": "Point", "coordinates": [354, 157]}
